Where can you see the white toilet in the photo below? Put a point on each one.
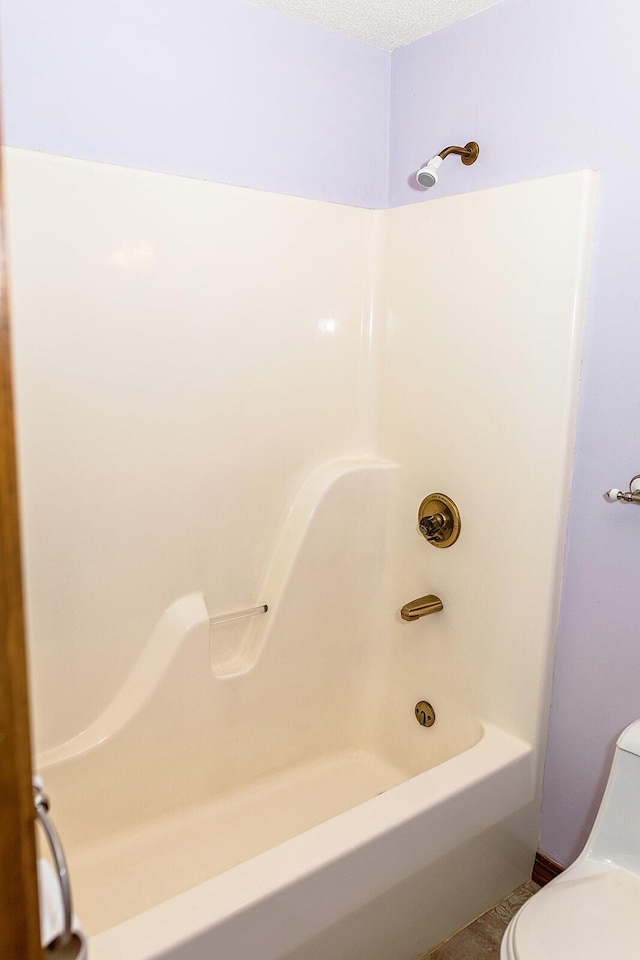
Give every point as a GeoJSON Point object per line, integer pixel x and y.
{"type": "Point", "coordinates": [592, 910]}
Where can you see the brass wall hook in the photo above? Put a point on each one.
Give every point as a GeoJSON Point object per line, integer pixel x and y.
{"type": "Point", "coordinates": [439, 520]}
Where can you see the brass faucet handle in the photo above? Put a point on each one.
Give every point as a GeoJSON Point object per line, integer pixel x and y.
{"type": "Point", "coordinates": [439, 520]}
{"type": "Point", "coordinates": [434, 527]}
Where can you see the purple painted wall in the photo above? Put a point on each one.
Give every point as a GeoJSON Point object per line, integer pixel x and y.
{"type": "Point", "coordinates": [545, 88]}
{"type": "Point", "coordinates": [222, 91]}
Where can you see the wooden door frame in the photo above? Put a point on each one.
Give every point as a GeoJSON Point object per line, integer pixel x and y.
{"type": "Point", "coordinates": [19, 914]}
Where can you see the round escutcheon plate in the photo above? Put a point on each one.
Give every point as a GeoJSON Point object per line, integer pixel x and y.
{"type": "Point", "coordinates": [425, 714]}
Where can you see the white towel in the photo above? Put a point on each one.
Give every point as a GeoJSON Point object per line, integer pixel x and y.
{"type": "Point", "coordinates": [52, 911]}
{"type": "Point", "coordinates": [51, 906]}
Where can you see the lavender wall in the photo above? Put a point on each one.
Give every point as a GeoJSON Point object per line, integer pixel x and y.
{"type": "Point", "coordinates": [222, 91]}
{"type": "Point", "coordinates": [545, 88]}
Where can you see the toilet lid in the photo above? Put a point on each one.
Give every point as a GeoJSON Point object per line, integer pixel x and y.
{"type": "Point", "coordinates": [586, 918]}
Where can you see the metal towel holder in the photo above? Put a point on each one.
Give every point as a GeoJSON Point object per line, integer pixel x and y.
{"type": "Point", "coordinates": [70, 944]}
{"type": "Point", "coordinates": [631, 496]}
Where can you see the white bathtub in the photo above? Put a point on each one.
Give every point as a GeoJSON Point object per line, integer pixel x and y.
{"type": "Point", "coordinates": [391, 877]}
{"type": "Point", "coordinates": [264, 790]}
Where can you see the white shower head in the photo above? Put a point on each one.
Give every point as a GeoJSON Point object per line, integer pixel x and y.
{"type": "Point", "coordinates": [427, 176]}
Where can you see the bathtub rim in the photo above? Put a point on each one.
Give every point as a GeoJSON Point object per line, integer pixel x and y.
{"type": "Point", "coordinates": [176, 922]}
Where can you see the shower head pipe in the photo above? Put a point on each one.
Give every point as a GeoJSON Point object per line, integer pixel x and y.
{"type": "Point", "coordinates": [468, 154]}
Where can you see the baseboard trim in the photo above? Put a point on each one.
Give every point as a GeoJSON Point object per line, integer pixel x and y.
{"type": "Point", "coordinates": [545, 869]}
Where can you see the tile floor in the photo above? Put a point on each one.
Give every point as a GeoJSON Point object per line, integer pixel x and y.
{"type": "Point", "coordinates": [481, 939]}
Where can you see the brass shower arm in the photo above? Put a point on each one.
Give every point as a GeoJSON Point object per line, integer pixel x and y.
{"type": "Point", "coordinates": [468, 154]}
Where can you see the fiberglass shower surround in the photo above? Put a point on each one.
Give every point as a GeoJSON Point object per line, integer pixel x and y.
{"type": "Point", "coordinates": [202, 384]}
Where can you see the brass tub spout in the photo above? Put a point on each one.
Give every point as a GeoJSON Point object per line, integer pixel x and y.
{"type": "Point", "coordinates": [421, 607]}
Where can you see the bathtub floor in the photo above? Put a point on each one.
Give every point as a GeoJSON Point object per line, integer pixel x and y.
{"type": "Point", "coordinates": [122, 875]}
{"type": "Point", "coordinates": [481, 939]}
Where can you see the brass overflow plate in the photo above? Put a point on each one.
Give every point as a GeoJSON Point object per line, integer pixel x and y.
{"type": "Point", "coordinates": [425, 714]}
{"type": "Point", "coordinates": [439, 520]}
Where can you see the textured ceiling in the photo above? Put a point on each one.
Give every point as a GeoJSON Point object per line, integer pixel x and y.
{"type": "Point", "coordinates": [382, 23]}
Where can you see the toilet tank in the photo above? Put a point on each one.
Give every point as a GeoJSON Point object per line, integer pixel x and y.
{"type": "Point", "coordinates": [629, 739]}
{"type": "Point", "coordinates": [615, 837]}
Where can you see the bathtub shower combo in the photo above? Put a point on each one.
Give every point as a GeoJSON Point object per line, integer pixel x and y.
{"type": "Point", "coordinates": [231, 407]}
